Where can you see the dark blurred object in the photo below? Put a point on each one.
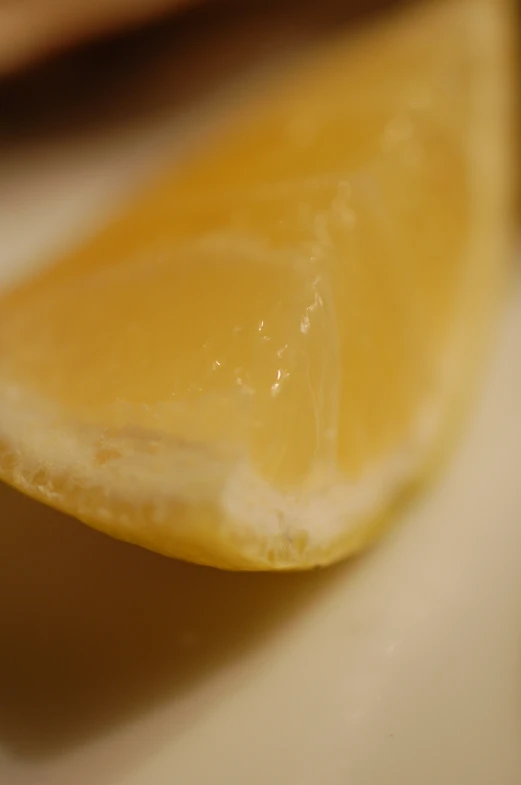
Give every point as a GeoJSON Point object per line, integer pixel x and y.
{"type": "Point", "coordinates": [161, 63]}
{"type": "Point", "coordinates": [30, 29]}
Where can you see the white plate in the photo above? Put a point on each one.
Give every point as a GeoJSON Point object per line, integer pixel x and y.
{"type": "Point", "coordinates": [120, 666]}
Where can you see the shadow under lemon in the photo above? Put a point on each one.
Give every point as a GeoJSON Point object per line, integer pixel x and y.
{"type": "Point", "coordinates": [95, 631]}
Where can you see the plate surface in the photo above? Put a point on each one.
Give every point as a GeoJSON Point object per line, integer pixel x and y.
{"type": "Point", "coordinates": [120, 667]}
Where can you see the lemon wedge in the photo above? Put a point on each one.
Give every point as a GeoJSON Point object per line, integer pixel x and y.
{"type": "Point", "coordinates": [253, 361]}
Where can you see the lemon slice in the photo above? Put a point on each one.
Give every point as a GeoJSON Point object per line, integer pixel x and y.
{"type": "Point", "coordinates": [250, 365]}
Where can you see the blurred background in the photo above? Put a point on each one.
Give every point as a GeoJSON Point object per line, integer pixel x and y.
{"type": "Point", "coordinates": [33, 29]}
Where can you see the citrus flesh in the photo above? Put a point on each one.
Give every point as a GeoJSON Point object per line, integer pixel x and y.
{"type": "Point", "coordinates": [252, 362]}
